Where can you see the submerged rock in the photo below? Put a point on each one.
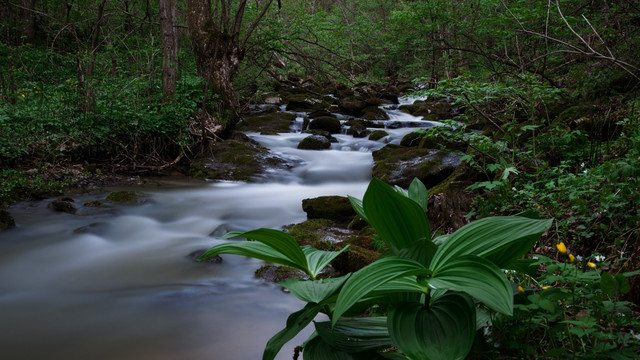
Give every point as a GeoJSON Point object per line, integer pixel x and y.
{"type": "Point", "coordinates": [314, 142]}
{"type": "Point", "coordinates": [398, 165]}
{"type": "Point", "coordinates": [6, 220]}
{"type": "Point", "coordinates": [125, 197]}
{"type": "Point", "coordinates": [194, 255]}
{"type": "Point", "coordinates": [62, 205]}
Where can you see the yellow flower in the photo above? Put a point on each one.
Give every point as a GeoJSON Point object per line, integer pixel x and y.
{"type": "Point", "coordinates": [22, 95]}
{"type": "Point", "coordinates": [520, 289]}
{"type": "Point", "coordinates": [562, 247]}
{"type": "Point", "coordinates": [591, 265]}
{"type": "Point", "coordinates": [545, 287]}
{"type": "Point", "coordinates": [572, 258]}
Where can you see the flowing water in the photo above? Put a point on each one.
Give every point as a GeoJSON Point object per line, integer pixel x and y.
{"type": "Point", "coordinates": [118, 283]}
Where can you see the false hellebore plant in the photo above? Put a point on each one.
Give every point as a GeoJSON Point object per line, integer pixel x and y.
{"type": "Point", "coordinates": [424, 299]}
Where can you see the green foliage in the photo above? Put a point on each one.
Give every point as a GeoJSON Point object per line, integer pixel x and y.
{"type": "Point", "coordinates": [569, 310]}
{"type": "Point", "coordinates": [424, 293]}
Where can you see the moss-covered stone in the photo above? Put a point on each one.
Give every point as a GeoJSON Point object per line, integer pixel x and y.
{"type": "Point", "coordinates": [358, 130]}
{"type": "Point", "coordinates": [353, 106]}
{"type": "Point", "coordinates": [6, 220]}
{"type": "Point", "coordinates": [374, 113]}
{"type": "Point", "coordinates": [353, 259]}
{"type": "Point", "coordinates": [125, 197]}
{"type": "Point", "coordinates": [434, 110]}
{"type": "Point", "coordinates": [377, 135]}
{"type": "Point", "coordinates": [277, 273]}
{"type": "Point", "coordinates": [95, 203]}
{"type": "Point", "coordinates": [336, 208]}
{"type": "Point", "coordinates": [270, 123]}
{"type": "Point", "coordinates": [305, 102]}
{"type": "Point", "coordinates": [311, 232]}
{"type": "Point", "coordinates": [314, 142]}
{"type": "Point", "coordinates": [398, 165]}
{"type": "Point", "coordinates": [326, 123]}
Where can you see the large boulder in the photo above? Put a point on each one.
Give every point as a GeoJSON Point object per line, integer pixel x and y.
{"type": "Point", "coordinates": [353, 106]}
{"type": "Point", "coordinates": [374, 113]}
{"type": "Point", "coordinates": [314, 142]}
{"type": "Point", "coordinates": [377, 135]}
{"type": "Point", "coordinates": [434, 110]}
{"type": "Point", "coordinates": [358, 129]}
{"type": "Point", "coordinates": [326, 123]}
{"type": "Point", "coordinates": [269, 123]}
{"type": "Point", "coordinates": [238, 159]}
{"type": "Point", "coordinates": [336, 208]}
{"type": "Point", "coordinates": [398, 165]}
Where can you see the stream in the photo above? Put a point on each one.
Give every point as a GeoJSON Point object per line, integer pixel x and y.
{"type": "Point", "coordinates": [119, 283]}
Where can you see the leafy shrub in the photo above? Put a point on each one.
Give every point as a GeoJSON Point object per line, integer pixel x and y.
{"type": "Point", "coordinates": [425, 297]}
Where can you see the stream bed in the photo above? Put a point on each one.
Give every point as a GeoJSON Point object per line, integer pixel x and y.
{"type": "Point", "coordinates": [118, 283]}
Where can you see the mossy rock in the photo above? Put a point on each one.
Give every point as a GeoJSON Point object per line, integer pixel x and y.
{"type": "Point", "coordinates": [314, 142]}
{"type": "Point", "coordinates": [311, 232]}
{"type": "Point", "coordinates": [353, 259]}
{"type": "Point", "coordinates": [235, 160]}
{"type": "Point", "coordinates": [374, 113]}
{"type": "Point", "coordinates": [305, 102]}
{"type": "Point", "coordinates": [358, 131]}
{"type": "Point", "coordinates": [398, 165]}
{"type": "Point", "coordinates": [415, 139]}
{"type": "Point", "coordinates": [277, 273]}
{"type": "Point", "coordinates": [433, 110]}
{"type": "Point", "coordinates": [95, 204]}
{"type": "Point", "coordinates": [326, 123]}
{"type": "Point", "coordinates": [353, 106]}
{"type": "Point", "coordinates": [270, 123]}
{"type": "Point", "coordinates": [377, 135]}
{"type": "Point", "coordinates": [125, 197]}
{"type": "Point", "coordinates": [336, 208]}
{"type": "Point", "coordinates": [6, 220]}
{"type": "Point", "coordinates": [62, 205]}
{"type": "Point", "coordinates": [194, 255]}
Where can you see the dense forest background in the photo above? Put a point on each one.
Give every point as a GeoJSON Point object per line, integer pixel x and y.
{"type": "Point", "coordinates": [549, 91]}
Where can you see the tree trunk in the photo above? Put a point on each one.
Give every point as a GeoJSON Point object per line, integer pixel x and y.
{"type": "Point", "coordinates": [27, 12]}
{"type": "Point", "coordinates": [218, 50]}
{"type": "Point", "coordinates": [169, 26]}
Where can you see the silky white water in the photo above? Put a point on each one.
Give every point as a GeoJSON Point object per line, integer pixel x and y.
{"type": "Point", "coordinates": [119, 284]}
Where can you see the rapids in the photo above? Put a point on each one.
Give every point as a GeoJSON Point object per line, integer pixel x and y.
{"type": "Point", "coordinates": [119, 284]}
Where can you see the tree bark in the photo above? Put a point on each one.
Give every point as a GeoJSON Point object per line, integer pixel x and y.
{"type": "Point", "coordinates": [169, 26]}
{"type": "Point", "coordinates": [219, 50]}
{"type": "Point", "coordinates": [28, 15]}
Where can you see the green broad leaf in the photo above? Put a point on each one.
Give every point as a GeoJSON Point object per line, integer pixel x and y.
{"type": "Point", "coordinates": [418, 193]}
{"type": "Point", "coordinates": [500, 239]}
{"type": "Point", "coordinates": [278, 240]}
{"type": "Point", "coordinates": [314, 291]}
{"type": "Point", "coordinates": [355, 335]}
{"type": "Point", "coordinates": [444, 331]}
{"type": "Point", "coordinates": [252, 249]}
{"type": "Point", "coordinates": [608, 283]}
{"type": "Point", "coordinates": [476, 277]}
{"type": "Point", "coordinates": [356, 204]}
{"type": "Point", "coordinates": [371, 277]}
{"type": "Point", "coordinates": [421, 251]}
{"type": "Point", "coordinates": [398, 220]}
{"type": "Point", "coordinates": [319, 259]}
{"type": "Point", "coordinates": [295, 323]}
{"type": "Point", "coordinates": [318, 349]}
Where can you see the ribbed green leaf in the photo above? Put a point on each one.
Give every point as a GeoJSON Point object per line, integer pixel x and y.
{"type": "Point", "coordinates": [500, 239]}
{"type": "Point", "coordinates": [295, 323]}
{"type": "Point", "coordinates": [444, 331]}
{"type": "Point", "coordinates": [476, 277]}
{"type": "Point", "coordinates": [318, 349]}
{"type": "Point", "coordinates": [421, 251]}
{"type": "Point", "coordinates": [252, 249]}
{"type": "Point", "coordinates": [418, 193]}
{"type": "Point", "coordinates": [398, 220]}
{"type": "Point", "coordinates": [355, 335]}
{"type": "Point", "coordinates": [373, 276]}
{"type": "Point", "coordinates": [319, 259]}
{"type": "Point", "coordinates": [276, 239]}
{"type": "Point", "coordinates": [356, 204]}
{"type": "Point", "coordinates": [315, 291]}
